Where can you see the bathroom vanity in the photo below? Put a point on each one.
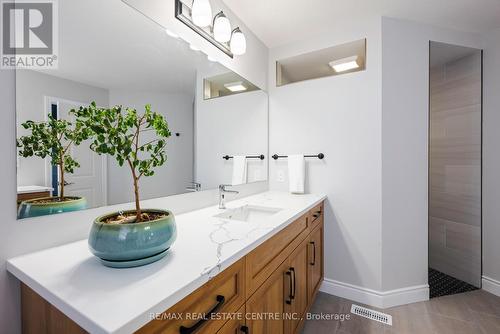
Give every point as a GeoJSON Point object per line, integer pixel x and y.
{"type": "Point", "coordinates": [252, 268]}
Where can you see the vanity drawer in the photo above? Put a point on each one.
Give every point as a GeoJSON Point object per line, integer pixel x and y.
{"type": "Point", "coordinates": [316, 215]}
{"type": "Point", "coordinates": [264, 260]}
{"type": "Point", "coordinates": [223, 294]}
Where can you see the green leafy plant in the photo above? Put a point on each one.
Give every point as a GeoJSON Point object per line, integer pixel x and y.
{"type": "Point", "coordinates": [53, 138]}
{"type": "Point", "coordinates": [117, 131]}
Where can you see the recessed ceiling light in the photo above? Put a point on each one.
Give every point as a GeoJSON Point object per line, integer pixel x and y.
{"type": "Point", "coordinates": [193, 47]}
{"type": "Point", "coordinates": [171, 33]}
{"type": "Point", "coordinates": [235, 86]}
{"type": "Point", "coordinates": [344, 64]}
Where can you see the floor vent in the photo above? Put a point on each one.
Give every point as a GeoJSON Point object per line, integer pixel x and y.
{"type": "Point", "coordinates": [371, 314]}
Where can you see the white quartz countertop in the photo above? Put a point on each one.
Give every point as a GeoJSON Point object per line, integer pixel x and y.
{"type": "Point", "coordinates": [106, 300]}
{"type": "Point", "coordinates": [32, 189]}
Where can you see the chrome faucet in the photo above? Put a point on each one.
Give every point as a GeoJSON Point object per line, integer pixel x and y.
{"type": "Point", "coordinates": [222, 191]}
{"type": "Point", "coordinates": [194, 186]}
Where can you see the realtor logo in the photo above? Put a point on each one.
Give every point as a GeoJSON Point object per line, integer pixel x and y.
{"type": "Point", "coordinates": [29, 34]}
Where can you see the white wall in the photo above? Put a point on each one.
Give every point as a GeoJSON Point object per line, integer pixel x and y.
{"type": "Point", "coordinates": [32, 88]}
{"type": "Point", "coordinates": [405, 96]}
{"type": "Point", "coordinates": [173, 177]}
{"type": "Point", "coordinates": [339, 116]}
{"type": "Point", "coordinates": [252, 65]}
{"type": "Point", "coordinates": [230, 125]}
{"type": "Point", "coordinates": [491, 157]}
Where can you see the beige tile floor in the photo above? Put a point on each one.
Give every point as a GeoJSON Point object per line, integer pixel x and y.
{"type": "Point", "coordinates": [476, 312]}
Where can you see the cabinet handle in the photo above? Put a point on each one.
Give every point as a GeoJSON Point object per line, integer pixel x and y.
{"type": "Point", "coordinates": [244, 329]}
{"type": "Point", "coordinates": [188, 330]}
{"type": "Point", "coordinates": [314, 253]}
{"type": "Point", "coordinates": [290, 295]}
{"type": "Point", "coordinates": [292, 269]}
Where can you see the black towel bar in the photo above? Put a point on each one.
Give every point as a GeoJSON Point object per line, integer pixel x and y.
{"type": "Point", "coordinates": [319, 156]}
{"type": "Point", "coordinates": [261, 157]}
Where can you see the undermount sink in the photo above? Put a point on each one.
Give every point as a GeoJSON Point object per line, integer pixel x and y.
{"type": "Point", "coordinates": [248, 213]}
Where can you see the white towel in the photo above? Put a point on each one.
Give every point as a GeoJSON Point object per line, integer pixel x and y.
{"type": "Point", "coordinates": [239, 170]}
{"type": "Point", "coordinates": [296, 173]}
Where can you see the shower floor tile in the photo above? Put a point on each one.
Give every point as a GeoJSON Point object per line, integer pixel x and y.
{"type": "Point", "coordinates": [441, 284]}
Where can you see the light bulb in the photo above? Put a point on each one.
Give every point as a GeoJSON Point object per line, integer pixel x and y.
{"type": "Point", "coordinates": [238, 42]}
{"type": "Point", "coordinates": [222, 28]}
{"type": "Point", "coordinates": [201, 12]}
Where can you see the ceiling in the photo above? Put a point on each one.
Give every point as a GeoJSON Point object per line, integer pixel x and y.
{"type": "Point", "coordinates": [108, 44]}
{"type": "Point", "coordinates": [279, 22]}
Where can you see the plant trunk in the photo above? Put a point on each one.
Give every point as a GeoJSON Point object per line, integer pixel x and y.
{"type": "Point", "coordinates": [138, 213]}
{"type": "Point", "coordinates": [61, 181]}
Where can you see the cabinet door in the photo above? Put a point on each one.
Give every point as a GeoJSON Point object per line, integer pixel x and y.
{"type": "Point", "coordinates": [235, 325]}
{"type": "Point", "coordinates": [297, 263]}
{"type": "Point", "coordinates": [265, 308]}
{"type": "Point", "coordinates": [315, 261]}
{"type": "Point", "coordinates": [223, 294]}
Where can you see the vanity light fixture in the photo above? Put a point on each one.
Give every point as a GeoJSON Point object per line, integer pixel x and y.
{"type": "Point", "coordinates": [216, 30]}
{"type": "Point", "coordinates": [235, 86]}
{"type": "Point", "coordinates": [344, 64]}
{"type": "Point", "coordinates": [222, 28]}
{"type": "Point", "coordinates": [238, 42]}
{"type": "Point", "coordinates": [201, 13]}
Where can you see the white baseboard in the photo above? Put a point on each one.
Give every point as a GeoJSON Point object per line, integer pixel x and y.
{"type": "Point", "coordinates": [491, 285]}
{"type": "Point", "coordinates": [380, 299]}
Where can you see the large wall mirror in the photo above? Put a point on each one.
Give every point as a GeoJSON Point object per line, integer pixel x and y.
{"type": "Point", "coordinates": [131, 61]}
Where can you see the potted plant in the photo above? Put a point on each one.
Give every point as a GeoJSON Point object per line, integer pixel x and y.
{"type": "Point", "coordinates": [132, 237]}
{"type": "Point", "coordinates": [54, 139]}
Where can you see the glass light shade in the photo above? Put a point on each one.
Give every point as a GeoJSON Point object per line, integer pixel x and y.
{"type": "Point", "coordinates": [222, 29]}
{"type": "Point", "coordinates": [201, 13]}
{"type": "Point", "coordinates": [238, 42]}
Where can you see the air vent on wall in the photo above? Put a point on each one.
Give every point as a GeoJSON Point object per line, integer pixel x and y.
{"type": "Point", "coordinates": [371, 314]}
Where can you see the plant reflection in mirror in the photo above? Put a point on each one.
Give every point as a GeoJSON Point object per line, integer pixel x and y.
{"type": "Point", "coordinates": [53, 138]}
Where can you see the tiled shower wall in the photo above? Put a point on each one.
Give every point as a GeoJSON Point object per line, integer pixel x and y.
{"type": "Point", "coordinates": [455, 169]}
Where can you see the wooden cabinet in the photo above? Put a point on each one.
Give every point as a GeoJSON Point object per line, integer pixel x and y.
{"type": "Point", "coordinates": [236, 324]}
{"type": "Point", "coordinates": [27, 196]}
{"type": "Point", "coordinates": [263, 260]}
{"type": "Point", "coordinates": [266, 307]}
{"type": "Point", "coordinates": [297, 265]}
{"type": "Point", "coordinates": [315, 216]}
{"type": "Point", "coordinates": [221, 296]}
{"type": "Point", "coordinates": [266, 292]}
{"type": "Point", "coordinates": [315, 261]}
{"type": "Point", "coordinates": [39, 316]}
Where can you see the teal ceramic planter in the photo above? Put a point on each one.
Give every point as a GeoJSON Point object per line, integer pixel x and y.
{"type": "Point", "coordinates": [31, 208]}
{"type": "Point", "coordinates": [134, 244]}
